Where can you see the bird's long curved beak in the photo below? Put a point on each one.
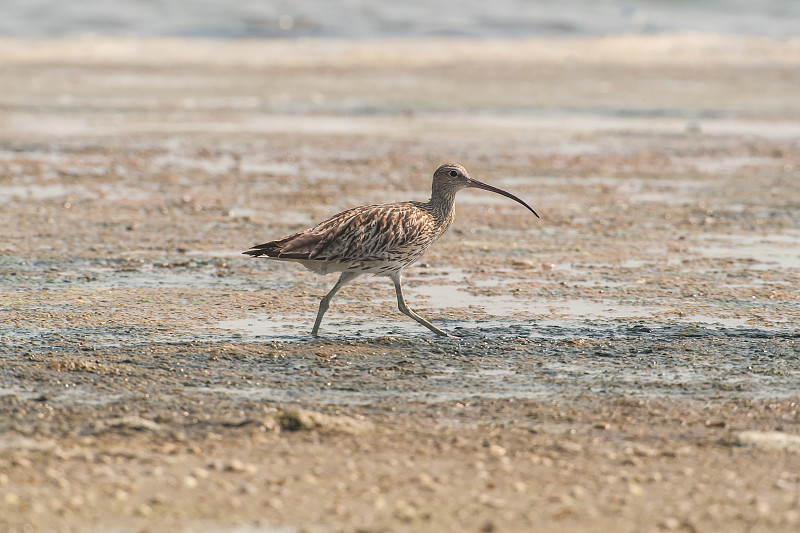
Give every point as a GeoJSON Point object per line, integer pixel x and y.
{"type": "Point", "coordinates": [480, 185]}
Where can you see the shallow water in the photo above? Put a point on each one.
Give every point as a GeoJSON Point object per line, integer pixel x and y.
{"type": "Point", "coordinates": [760, 252]}
{"type": "Point", "coordinates": [567, 314]}
{"type": "Point", "coordinates": [360, 18]}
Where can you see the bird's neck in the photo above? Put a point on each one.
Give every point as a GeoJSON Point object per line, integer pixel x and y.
{"type": "Point", "coordinates": [443, 205]}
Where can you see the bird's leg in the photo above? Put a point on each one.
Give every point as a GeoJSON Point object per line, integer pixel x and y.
{"type": "Point", "coordinates": [344, 278]}
{"type": "Point", "coordinates": [401, 304]}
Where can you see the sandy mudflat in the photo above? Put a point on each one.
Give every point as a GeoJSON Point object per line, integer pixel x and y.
{"type": "Point", "coordinates": [629, 362]}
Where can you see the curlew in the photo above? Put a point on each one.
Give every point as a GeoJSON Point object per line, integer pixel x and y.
{"type": "Point", "coordinates": [377, 239]}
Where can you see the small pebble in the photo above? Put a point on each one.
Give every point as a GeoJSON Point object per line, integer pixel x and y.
{"type": "Point", "coordinates": [495, 450]}
{"type": "Point", "coordinates": [235, 465]}
{"type": "Point", "coordinates": [671, 523]}
{"type": "Point", "coordinates": [144, 510]}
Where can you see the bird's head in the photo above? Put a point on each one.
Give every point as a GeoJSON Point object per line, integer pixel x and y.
{"type": "Point", "coordinates": [451, 178]}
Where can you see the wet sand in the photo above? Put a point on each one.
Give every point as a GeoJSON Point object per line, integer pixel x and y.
{"type": "Point", "coordinates": [629, 362]}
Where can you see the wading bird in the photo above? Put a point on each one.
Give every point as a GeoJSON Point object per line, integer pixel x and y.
{"type": "Point", "coordinates": [377, 239]}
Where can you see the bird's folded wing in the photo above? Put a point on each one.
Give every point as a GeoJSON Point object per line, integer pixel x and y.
{"type": "Point", "coordinates": [368, 233]}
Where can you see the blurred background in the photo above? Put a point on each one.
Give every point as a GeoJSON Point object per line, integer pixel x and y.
{"type": "Point", "coordinates": [414, 18]}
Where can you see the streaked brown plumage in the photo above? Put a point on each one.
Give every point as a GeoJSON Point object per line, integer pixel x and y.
{"type": "Point", "coordinates": [377, 239]}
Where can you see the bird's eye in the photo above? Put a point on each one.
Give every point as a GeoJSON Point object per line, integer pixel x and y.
{"type": "Point", "coordinates": [454, 173]}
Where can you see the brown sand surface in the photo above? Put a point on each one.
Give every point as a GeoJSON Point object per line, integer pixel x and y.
{"type": "Point", "coordinates": [629, 362]}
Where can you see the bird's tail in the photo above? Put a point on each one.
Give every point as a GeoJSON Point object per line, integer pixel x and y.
{"type": "Point", "coordinates": [270, 249]}
{"type": "Point", "coordinates": [290, 247]}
